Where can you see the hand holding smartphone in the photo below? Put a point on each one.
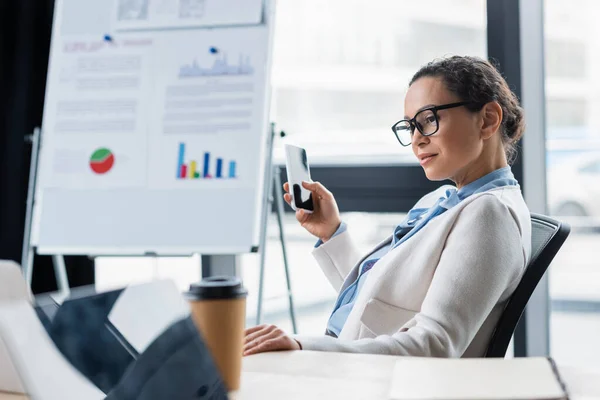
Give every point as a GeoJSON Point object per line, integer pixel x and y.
{"type": "Point", "coordinates": [296, 163]}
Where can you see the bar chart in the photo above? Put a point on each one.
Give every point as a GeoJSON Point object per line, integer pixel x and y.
{"type": "Point", "coordinates": [220, 67]}
{"type": "Point", "coordinates": [206, 170]}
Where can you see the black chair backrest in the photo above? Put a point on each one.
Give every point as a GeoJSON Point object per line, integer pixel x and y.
{"type": "Point", "coordinates": [547, 237]}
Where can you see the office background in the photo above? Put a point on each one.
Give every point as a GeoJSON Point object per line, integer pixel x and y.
{"type": "Point", "coordinates": [340, 72]}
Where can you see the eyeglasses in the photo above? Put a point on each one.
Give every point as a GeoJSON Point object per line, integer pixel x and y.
{"type": "Point", "coordinates": [426, 121]}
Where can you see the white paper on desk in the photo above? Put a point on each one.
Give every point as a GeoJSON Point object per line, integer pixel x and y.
{"type": "Point", "coordinates": [418, 378]}
{"type": "Point", "coordinates": [143, 312]}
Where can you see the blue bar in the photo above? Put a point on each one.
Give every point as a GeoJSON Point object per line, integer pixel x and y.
{"type": "Point", "coordinates": [232, 169]}
{"type": "Point", "coordinates": [206, 165]}
{"type": "Point", "coordinates": [180, 159]}
{"type": "Point", "coordinates": [219, 167]}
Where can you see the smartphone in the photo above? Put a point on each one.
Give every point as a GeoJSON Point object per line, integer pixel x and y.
{"type": "Point", "coordinates": [296, 164]}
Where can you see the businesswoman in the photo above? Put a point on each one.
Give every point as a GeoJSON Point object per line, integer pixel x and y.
{"type": "Point", "coordinates": [437, 286]}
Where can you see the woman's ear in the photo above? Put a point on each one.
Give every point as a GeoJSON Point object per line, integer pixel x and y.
{"type": "Point", "coordinates": [491, 114]}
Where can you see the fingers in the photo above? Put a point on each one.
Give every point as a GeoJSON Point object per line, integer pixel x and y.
{"type": "Point", "coordinates": [317, 188]}
{"type": "Point", "coordinates": [302, 216]}
{"type": "Point", "coordinates": [254, 329]}
{"type": "Point", "coordinates": [275, 333]}
{"type": "Point", "coordinates": [279, 343]}
{"type": "Point", "coordinates": [288, 198]}
{"type": "Point", "coordinates": [255, 342]}
{"type": "Point", "coordinates": [258, 331]}
{"type": "Point", "coordinates": [320, 191]}
{"type": "Point", "coordinates": [268, 338]}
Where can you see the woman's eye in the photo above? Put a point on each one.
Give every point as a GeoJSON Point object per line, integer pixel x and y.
{"type": "Point", "coordinates": [430, 119]}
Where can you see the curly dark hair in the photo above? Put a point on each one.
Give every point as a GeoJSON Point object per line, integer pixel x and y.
{"type": "Point", "coordinates": [477, 80]}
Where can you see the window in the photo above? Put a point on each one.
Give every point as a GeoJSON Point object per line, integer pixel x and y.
{"type": "Point", "coordinates": [566, 112]}
{"type": "Point", "coordinates": [591, 168]}
{"type": "Point", "coordinates": [573, 154]}
{"type": "Point", "coordinates": [341, 67]}
{"type": "Point", "coordinates": [566, 59]}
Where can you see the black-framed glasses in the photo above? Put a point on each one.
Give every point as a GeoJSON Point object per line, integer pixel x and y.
{"type": "Point", "coordinates": [426, 121]}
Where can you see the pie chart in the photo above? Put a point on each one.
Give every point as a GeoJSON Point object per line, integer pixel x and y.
{"type": "Point", "coordinates": [102, 161]}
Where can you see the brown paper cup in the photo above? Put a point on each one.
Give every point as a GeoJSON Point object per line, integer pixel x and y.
{"type": "Point", "coordinates": [218, 309]}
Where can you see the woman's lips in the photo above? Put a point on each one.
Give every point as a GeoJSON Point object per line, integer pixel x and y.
{"type": "Point", "coordinates": [427, 159]}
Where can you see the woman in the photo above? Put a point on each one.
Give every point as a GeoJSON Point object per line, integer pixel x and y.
{"type": "Point", "coordinates": [438, 285]}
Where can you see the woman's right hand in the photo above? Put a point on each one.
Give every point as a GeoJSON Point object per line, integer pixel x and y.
{"type": "Point", "coordinates": [325, 219]}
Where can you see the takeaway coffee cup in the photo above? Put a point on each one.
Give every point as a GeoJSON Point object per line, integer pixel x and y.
{"type": "Point", "coordinates": [218, 308]}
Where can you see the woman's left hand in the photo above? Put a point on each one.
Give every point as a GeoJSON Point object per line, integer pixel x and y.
{"type": "Point", "coordinates": [264, 338]}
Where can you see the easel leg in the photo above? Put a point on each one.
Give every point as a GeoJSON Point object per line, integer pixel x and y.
{"type": "Point", "coordinates": [28, 265]}
{"type": "Point", "coordinates": [60, 271]}
{"type": "Point", "coordinates": [263, 248]}
{"type": "Point", "coordinates": [279, 202]}
{"type": "Point", "coordinates": [273, 178]}
{"type": "Point", "coordinates": [28, 253]}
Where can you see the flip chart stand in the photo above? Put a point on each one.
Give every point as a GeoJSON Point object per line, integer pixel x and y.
{"type": "Point", "coordinates": [274, 194]}
{"type": "Point", "coordinates": [28, 252]}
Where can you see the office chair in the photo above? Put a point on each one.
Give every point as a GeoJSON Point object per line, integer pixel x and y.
{"type": "Point", "coordinates": [547, 237]}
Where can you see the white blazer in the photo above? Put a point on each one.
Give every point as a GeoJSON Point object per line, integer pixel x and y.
{"type": "Point", "coordinates": [441, 292]}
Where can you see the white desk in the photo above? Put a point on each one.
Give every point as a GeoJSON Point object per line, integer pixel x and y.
{"type": "Point", "coordinates": [317, 375]}
{"type": "Point", "coordinates": [320, 375]}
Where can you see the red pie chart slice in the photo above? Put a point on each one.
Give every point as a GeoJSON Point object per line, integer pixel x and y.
{"type": "Point", "coordinates": [102, 161]}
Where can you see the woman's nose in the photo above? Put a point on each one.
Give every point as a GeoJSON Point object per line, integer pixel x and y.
{"type": "Point", "coordinates": [418, 138]}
